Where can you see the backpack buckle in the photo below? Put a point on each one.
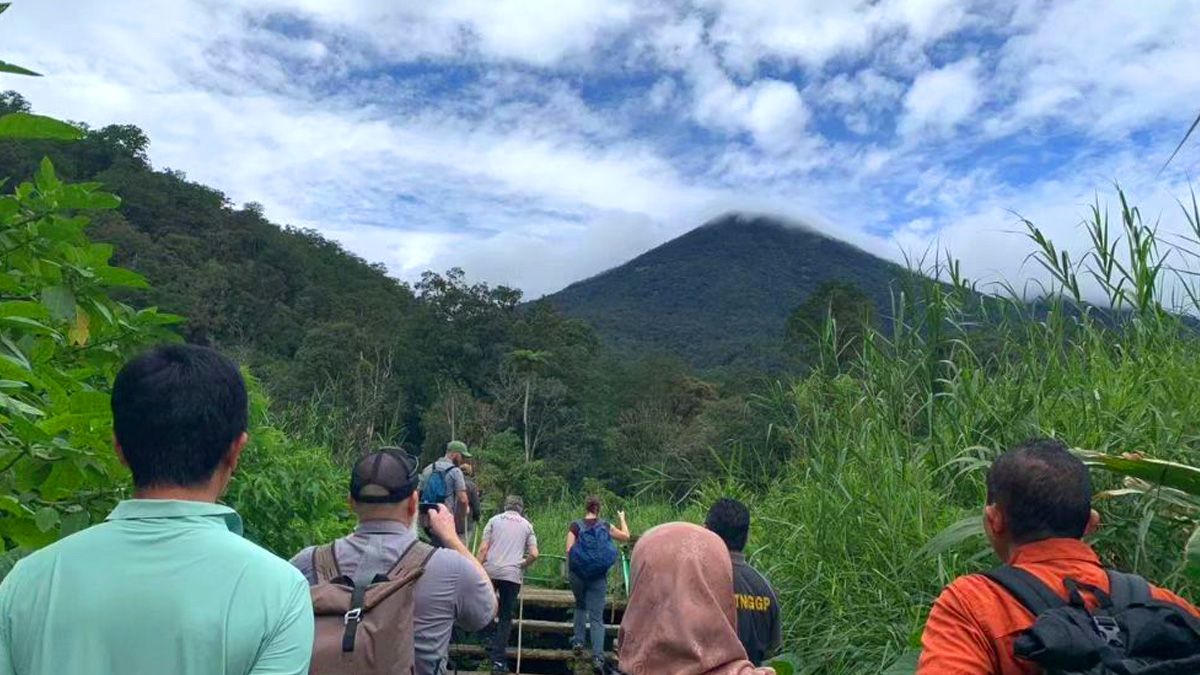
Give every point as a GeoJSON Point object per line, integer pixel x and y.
{"type": "Point", "coordinates": [1108, 629]}
{"type": "Point", "coordinates": [353, 615]}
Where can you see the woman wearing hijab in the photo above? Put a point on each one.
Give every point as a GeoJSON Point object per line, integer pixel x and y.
{"type": "Point", "coordinates": [681, 618]}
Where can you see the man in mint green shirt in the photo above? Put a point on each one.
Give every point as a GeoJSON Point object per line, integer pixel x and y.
{"type": "Point", "coordinates": [167, 584]}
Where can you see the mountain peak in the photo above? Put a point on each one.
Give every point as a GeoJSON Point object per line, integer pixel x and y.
{"type": "Point", "coordinates": [720, 295]}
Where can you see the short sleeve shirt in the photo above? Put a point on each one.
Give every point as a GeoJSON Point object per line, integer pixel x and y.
{"type": "Point", "coordinates": [451, 592]}
{"type": "Point", "coordinates": [509, 538]}
{"type": "Point", "coordinates": [162, 586]}
{"type": "Point", "coordinates": [455, 481]}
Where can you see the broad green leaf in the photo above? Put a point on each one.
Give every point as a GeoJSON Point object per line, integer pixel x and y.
{"type": "Point", "coordinates": [46, 519]}
{"type": "Point", "coordinates": [1192, 555]}
{"type": "Point", "coordinates": [10, 504]}
{"type": "Point", "coordinates": [26, 533]}
{"type": "Point", "coordinates": [13, 68]}
{"type": "Point", "coordinates": [953, 536]}
{"type": "Point", "coordinates": [61, 303]}
{"type": "Point", "coordinates": [74, 522]}
{"type": "Point", "coordinates": [27, 325]}
{"type": "Point", "coordinates": [79, 333]}
{"type": "Point", "coordinates": [76, 198]}
{"type": "Point", "coordinates": [1158, 471]}
{"type": "Point", "coordinates": [64, 479]}
{"type": "Point", "coordinates": [119, 276]}
{"type": "Point", "coordinates": [25, 308]}
{"type": "Point", "coordinates": [46, 179]}
{"type": "Point", "coordinates": [4, 6]}
{"type": "Point", "coordinates": [27, 126]}
{"type": "Point", "coordinates": [14, 405]}
{"type": "Point", "coordinates": [89, 401]}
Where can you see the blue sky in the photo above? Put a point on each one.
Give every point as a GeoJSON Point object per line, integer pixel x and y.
{"type": "Point", "coordinates": [534, 143]}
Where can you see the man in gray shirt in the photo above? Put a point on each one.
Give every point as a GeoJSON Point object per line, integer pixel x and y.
{"type": "Point", "coordinates": [456, 484]}
{"type": "Point", "coordinates": [509, 547]}
{"type": "Point", "coordinates": [454, 588]}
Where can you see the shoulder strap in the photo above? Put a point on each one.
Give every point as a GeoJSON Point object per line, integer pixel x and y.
{"type": "Point", "coordinates": [413, 561]}
{"type": "Point", "coordinates": [1026, 588]}
{"type": "Point", "coordinates": [1127, 589]}
{"type": "Point", "coordinates": [325, 564]}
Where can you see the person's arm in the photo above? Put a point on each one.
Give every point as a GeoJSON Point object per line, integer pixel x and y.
{"type": "Point", "coordinates": [486, 542]}
{"type": "Point", "coordinates": [441, 524]}
{"type": "Point", "coordinates": [289, 650]}
{"type": "Point", "coordinates": [620, 533]}
{"type": "Point", "coordinates": [531, 550]}
{"type": "Point", "coordinates": [570, 540]}
{"type": "Point", "coordinates": [953, 642]}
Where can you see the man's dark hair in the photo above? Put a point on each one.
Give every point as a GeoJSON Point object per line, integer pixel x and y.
{"type": "Point", "coordinates": [730, 519]}
{"type": "Point", "coordinates": [1043, 490]}
{"type": "Point", "coordinates": [176, 411]}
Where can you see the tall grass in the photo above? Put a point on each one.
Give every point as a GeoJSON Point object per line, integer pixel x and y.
{"type": "Point", "coordinates": [862, 522]}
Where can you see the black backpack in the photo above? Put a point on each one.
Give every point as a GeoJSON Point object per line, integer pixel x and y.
{"type": "Point", "coordinates": [1129, 633]}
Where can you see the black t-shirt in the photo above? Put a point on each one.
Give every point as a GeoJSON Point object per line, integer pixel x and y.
{"type": "Point", "coordinates": [757, 611]}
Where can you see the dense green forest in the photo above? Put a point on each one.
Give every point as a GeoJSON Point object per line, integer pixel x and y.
{"type": "Point", "coordinates": [864, 472]}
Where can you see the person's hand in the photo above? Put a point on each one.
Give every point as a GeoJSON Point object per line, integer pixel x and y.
{"type": "Point", "coordinates": [621, 516]}
{"type": "Point", "coordinates": [441, 524]}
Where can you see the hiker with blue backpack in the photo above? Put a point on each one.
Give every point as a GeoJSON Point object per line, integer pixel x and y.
{"type": "Point", "coordinates": [591, 552]}
{"type": "Point", "coordinates": [443, 483]}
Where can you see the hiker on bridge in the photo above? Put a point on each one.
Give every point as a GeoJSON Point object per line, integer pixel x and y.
{"type": "Point", "coordinates": [1016, 620]}
{"type": "Point", "coordinates": [680, 617]}
{"type": "Point", "coordinates": [509, 547]}
{"type": "Point", "coordinates": [454, 587]}
{"type": "Point", "coordinates": [590, 554]}
{"type": "Point", "coordinates": [475, 510]}
{"type": "Point", "coordinates": [443, 483]}
{"type": "Point", "coordinates": [757, 606]}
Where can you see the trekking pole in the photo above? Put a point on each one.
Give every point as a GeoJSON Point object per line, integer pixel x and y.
{"type": "Point", "coordinates": [520, 630]}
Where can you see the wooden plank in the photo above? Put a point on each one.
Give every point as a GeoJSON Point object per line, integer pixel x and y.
{"type": "Point", "coordinates": [563, 627]}
{"type": "Point", "coordinates": [549, 597]}
{"type": "Point", "coordinates": [527, 654]}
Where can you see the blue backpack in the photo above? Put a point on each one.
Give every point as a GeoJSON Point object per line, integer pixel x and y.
{"type": "Point", "coordinates": [434, 491]}
{"type": "Point", "coordinates": [594, 551]}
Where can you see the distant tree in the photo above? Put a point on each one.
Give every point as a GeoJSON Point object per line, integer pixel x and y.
{"type": "Point", "coordinates": [837, 310]}
{"type": "Point", "coordinates": [12, 102]}
{"type": "Point", "coordinates": [528, 363]}
{"type": "Point", "coordinates": [125, 140]}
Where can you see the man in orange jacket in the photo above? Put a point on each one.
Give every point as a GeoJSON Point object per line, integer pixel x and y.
{"type": "Point", "coordinates": [1039, 507]}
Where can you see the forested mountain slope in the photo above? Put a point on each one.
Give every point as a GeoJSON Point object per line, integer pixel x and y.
{"type": "Point", "coordinates": [721, 294]}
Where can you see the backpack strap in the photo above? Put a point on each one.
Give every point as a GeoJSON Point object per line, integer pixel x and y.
{"type": "Point", "coordinates": [1026, 588]}
{"type": "Point", "coordinates": [1127, 589]}
{"type": "Point", "coordinates": [325, 564]}
{"type": "Point", "coordinates": [413, 561]}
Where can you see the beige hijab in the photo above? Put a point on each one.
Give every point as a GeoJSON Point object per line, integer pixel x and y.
{"type": "Point", "coordinates": [681, 618]}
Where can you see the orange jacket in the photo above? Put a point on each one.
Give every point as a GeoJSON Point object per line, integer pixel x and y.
{"type": "Point", "coordinates": [974, 622]}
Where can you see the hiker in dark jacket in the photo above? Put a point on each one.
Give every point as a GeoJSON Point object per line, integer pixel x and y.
{"type": "Point", "coordinates": [757, 607]}
{"type": "Point", "coordinates": [591, 594]}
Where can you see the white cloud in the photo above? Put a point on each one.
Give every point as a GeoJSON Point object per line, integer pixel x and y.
{"type": "Point", "coordinates": [534, 143]}
{"type": "Point", "coordinates": [941, 99]}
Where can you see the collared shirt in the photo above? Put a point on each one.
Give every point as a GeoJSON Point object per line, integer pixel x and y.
{"type": "Point", "coordinates": [973, 624]}
{"type": "Point", "coordinates": [509, 538]}
{"type": "Point", "coordinates": [451, 591]}
{"type": "Point", "coordinates": [455, 483]}
{"type": "Point", "coordinates": [163, 586]}
{"type": "Point", "coordinates": [757, 610]}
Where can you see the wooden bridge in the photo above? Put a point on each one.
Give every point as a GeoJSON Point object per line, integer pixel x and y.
{"type": "Point", "coordinates": [543, 628]}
